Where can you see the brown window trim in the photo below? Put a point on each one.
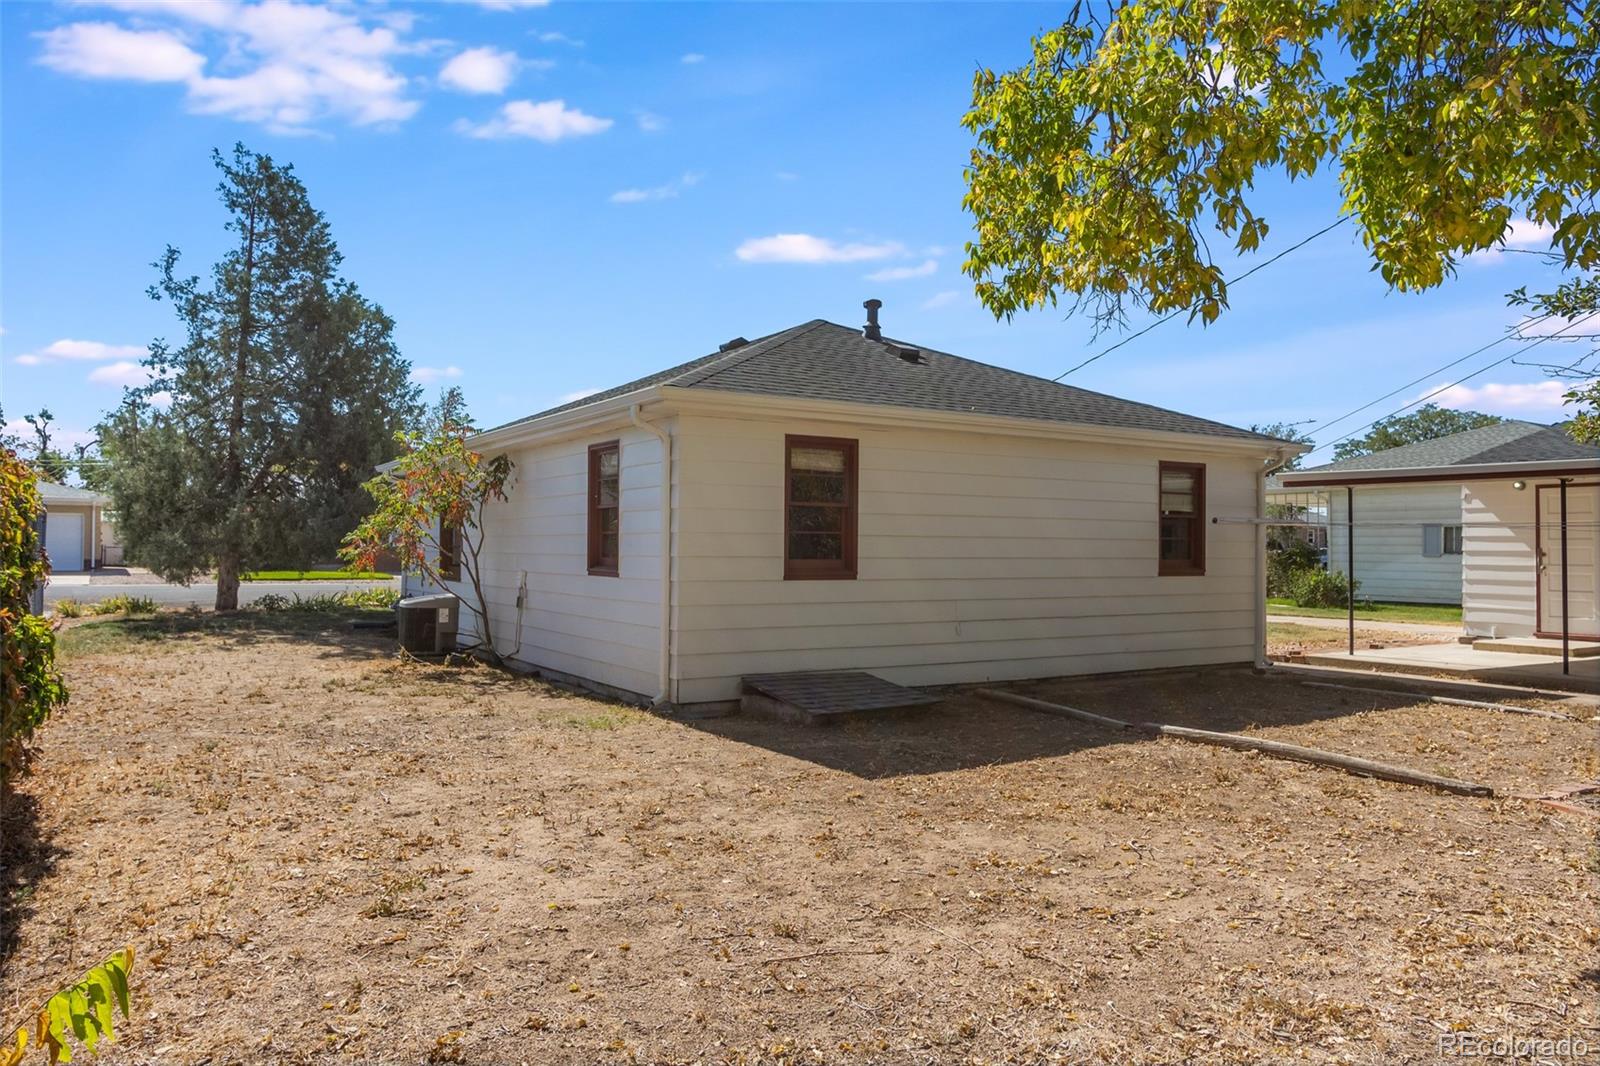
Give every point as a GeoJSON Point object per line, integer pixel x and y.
{"type": "Point", "coordinates": [822, 569]}
{"type": "Point", "coordinates": [449, 551]}
{"type": "Point", "coordinates": [1195, 566]}
{"type": "Point", "coordinates": [598, 566]}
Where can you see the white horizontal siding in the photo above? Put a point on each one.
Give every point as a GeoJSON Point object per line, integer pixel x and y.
{"type": "Point", "coordinates": [602, 629]}
{"type": "Point", "coordinates": [1500, 569]}
{"type": "Point", "coordinates": [981, 558]}
{"type": "Point", "coordinates": [1389, 561]}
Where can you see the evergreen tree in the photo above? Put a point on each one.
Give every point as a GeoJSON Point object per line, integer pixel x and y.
{"type": "Point", "coordinates": [1428, 422]}
{"type": "Point", "coordinates": [250, 444]}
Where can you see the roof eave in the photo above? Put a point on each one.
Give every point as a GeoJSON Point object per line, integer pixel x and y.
{"type": "Point", "coordinates": [714, 400]}
{"type": "Point", "coordinates": [1460, 472]}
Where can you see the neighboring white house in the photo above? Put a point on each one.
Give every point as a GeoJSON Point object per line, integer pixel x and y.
{"type": "Point", "coordinates": [73, 522]}
{"type": "Point", "coordinates": [1508, 479]}
{"type": "Point", "coordinates": [1409, 547]}
{"type": "Point", "coordinates": [824, 498]}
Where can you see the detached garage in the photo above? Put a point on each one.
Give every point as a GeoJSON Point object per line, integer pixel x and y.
{"type": "Point", "coordinates": [72, 526]}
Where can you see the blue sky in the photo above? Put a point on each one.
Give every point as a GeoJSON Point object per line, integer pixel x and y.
{"type": "Point", "coordinates": [553, 198]}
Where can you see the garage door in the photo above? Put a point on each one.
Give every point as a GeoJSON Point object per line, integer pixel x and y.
{"type": "Point", "coordinates": [63, 539]}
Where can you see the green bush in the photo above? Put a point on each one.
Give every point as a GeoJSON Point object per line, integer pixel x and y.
{"type": "Point", "coordinates": [69, 608]}
{"type": "Point", "coordinates": [124, 604]}
{"type": "Point", "coordinates": [1316, 587]}
{"type": "Point", "coordinates": [30, 685]}
{"type": "Point", "coordinates": [379, 599]}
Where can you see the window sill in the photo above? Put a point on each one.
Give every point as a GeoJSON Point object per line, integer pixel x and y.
{"type": "Point", "coordinates": [815, 575]}
{"type": "Point", "coordinates": [1167, 570]}
{"type": "Point", "coordinates": [603, 571]}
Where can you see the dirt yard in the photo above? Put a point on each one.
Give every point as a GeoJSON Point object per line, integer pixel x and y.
{"type": "Point", "coordinates": [325, 855]}
{"type": "Point", "coordinates": [1290, 639]}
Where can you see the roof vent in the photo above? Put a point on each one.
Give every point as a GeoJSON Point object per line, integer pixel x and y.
{"type": "Point", "coordinates": [909, 355]}
{"type": "Point", "coordinates": [728, 346]}
{"type": "Point", "coordinates": [871, 330]}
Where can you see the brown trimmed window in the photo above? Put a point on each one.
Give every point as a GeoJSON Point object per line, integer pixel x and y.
{"type": "Point", "coordinates": [449, 551]}
{"type": "Point", "coordinates": [819, 491]}
{"type": "Point", "coordinates": [605, 508]}
{"type": "Point", "coordinates": [1183, 518]}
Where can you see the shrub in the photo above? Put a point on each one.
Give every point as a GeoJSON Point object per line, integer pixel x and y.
{"type": "Point", "coordinates": [125, 604]}
{"type": "Point", "coordinates": [70, 609]}
{"type": "Point", "coordinates": [379, 599]}
{"type": "Point", "coordinates": [1320, 588]}
{"type": "Point", "coordinates": [30, 685]}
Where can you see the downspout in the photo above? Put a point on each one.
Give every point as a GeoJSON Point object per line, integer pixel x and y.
{"type": "Point", "coordinates": [1262, 662]}
{"type": "Point", "coordinates": [663, 700]}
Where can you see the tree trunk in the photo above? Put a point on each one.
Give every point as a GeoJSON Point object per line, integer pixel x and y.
{"type": "Point", "coordinates": [228, 581]}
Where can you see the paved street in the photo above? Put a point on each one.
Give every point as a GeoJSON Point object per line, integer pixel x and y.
{"type": "Point", "coordinates": [203, 593]}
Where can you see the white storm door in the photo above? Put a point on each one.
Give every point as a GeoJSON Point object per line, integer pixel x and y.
{"type": "Point", "coordinates": [63, 539]}
{"type": "Point", "coordinates": [1583, 559]}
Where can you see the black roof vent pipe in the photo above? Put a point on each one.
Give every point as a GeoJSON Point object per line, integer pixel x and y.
{"type": "Point", "coordinates": [871, 330]}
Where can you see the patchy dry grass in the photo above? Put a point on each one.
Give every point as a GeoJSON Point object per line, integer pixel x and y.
{"type": "Point", "coordinates": [327, 855]}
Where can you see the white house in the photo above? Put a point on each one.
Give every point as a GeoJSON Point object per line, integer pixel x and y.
{"type": "Point", "coordinates": [1409, 548]}
{"type": "Point", "coordinates": [826, 498]}
{"type": "Point", "coordinates": [1509, 481]}
{"type": "Point", "coordinates": [74, 521]}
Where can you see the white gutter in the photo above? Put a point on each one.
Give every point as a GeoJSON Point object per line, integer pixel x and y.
{"type": "Point", "coordinates": [663, 699]}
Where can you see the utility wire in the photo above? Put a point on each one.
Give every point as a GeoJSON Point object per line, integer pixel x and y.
{"type": "Point", "coordinates": [1341, 220]}
{"type": "Point", "coordinates": [1444, 388]}
{"type": "Point", "coordinates": [1508, 335]}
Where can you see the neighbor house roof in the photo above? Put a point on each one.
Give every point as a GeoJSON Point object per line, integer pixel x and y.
{"type": "Point", "coordinates": [67, 494]}
{"type": "Point", "coordinates": [821, 360]}
{"type": "Point", "coordinates": [1511, 445]}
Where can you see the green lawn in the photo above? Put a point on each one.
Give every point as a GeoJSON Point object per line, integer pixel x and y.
{"type": "Point", "coordinates": [1374, 612]}
{"type": "Point", "coordinates": [315, 575]}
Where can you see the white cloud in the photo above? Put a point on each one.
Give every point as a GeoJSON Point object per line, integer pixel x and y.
{"type": "Point", "coordinates": [1521, 234]}
{"type": "Point", "coordinates": [649, 121]}
{"type": "Point", "coordinates": [941, 299]}
{"type": "Point", "coordinates": [691, 58]}
{"type": "Point", "coordinates": [122, 372]}
{"type": "Point", "coordinates": [88, 351]}
{"type": "Point", "coordinates": [921, 270]}
{"type": "Point", "coordinates": [1582, 327]}
{"type": "Point", "coordinates": [1539, 398]}
{"type": "Point", "coordinates": [106, 50]}
{"type": "Point", "coordinates": [786, 175]}
{"type": "Point", "coordinates": [573, 397]}
{"type": "Point", "coordinates": [548, 121]}
{"type": "Point", "coordinates": [510, 5]}
{"type": "Point", "coordinates": [283, 64]}
{"type": "Point", "coordinates": [557, 37]}
{"type": "Point", "coordinates": [428, 375]}
{"type": "Point", "coordinates": [61, 437]}
{"type": "Point", "coordinates": [804, 248]}
{"type": "Point", "coordinates": [659, 192]}
{"type": "Point", "coordinates": [479, 70]}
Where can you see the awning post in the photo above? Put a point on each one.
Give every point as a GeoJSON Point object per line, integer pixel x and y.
{"type": "Point", "coordinates": [1350, 562]}
{"type": "Point", "coordinates": [1566, 661]}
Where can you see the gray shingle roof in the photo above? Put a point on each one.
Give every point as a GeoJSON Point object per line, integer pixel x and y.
{"type": "Point", "coordinates": [821, 360]}
{"type": "Point", "coordinates": [59, 494]}
{"type": "Point", "coordinates": [1505, 442]}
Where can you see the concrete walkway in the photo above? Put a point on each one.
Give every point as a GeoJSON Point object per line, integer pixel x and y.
{"type": "Point", "coordinates": [1464, 661]}
{"type": "Point", "coordinates": [1437, 630]}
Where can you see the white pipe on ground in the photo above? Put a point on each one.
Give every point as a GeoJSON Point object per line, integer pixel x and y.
{"type": "Point", "coordinates": [663, 698]}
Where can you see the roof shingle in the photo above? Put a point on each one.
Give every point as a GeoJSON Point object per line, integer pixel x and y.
{"type": "Point", "coordinates": [1504, 442]}
{"type": "Point", "coordinates": [821, 360]}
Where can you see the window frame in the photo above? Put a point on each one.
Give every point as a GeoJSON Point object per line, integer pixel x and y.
{"type": "Point", "coordinates": [599, 565]}
{"type": "Point", "coordinates": [1460, 536]}
{"type": "Point", "coordinates": [844, 568]}
{"type": "Point", "coordinates": [1195, 565]}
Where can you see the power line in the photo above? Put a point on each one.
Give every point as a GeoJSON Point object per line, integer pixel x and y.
{"type": "Point", "coordinates": [1444, 388]}
{"type": "Point", "coordinates": [1341, 220]}
{"type": "Point", "coordinates": [1508, 335]}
